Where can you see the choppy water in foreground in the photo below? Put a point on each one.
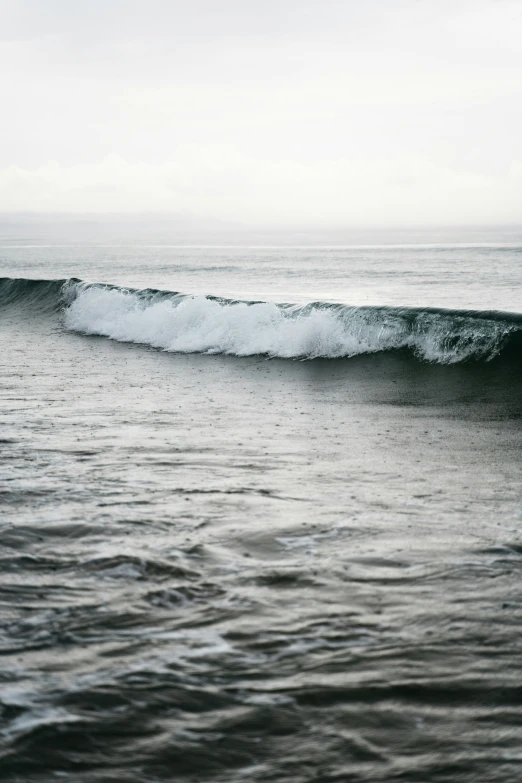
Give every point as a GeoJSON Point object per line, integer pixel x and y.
{"type": "Point", "coordinates": [233, 568]}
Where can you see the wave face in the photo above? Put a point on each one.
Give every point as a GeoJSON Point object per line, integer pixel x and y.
{"type": "Point", "coordinates": [33, 295]}
{"type": "Point", "coordinates": [204, 324]}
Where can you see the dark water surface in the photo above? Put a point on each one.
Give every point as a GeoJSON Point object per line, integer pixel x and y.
{"type": "Point", "coordinates": [231, 569]}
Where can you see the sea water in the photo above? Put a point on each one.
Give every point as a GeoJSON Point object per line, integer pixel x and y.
{"type": "Point", "coordinates": [261, 511]}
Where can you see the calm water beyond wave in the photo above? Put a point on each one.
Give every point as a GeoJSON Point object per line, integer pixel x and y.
{"type": "Point", "coordinates": [261, 508]}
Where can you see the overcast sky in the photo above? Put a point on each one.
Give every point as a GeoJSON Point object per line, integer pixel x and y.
{"type": "Point", "coordinates": [323, 112]}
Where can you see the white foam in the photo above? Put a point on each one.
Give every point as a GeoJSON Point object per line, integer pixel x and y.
{"type": "Point", "coordinates": [197, 324]}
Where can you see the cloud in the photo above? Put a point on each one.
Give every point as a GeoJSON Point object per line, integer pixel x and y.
{"type": "Point", "coordinates": [221, 182]}
{"type": "Point", "coordinates": [291, 110]}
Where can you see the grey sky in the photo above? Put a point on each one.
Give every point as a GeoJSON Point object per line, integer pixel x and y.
{"type": "Point", "coordinates": [297, 111]}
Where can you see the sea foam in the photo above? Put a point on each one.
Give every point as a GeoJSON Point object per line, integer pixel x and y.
{"type": "Point", "coordinates": [201, 324]}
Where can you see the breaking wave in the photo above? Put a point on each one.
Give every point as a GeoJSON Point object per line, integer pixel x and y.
{"type": "Point", "coordinates": [205, 324]}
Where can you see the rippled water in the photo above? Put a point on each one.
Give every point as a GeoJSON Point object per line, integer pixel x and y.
{"type": "Point", "coordinates": [229, 569]}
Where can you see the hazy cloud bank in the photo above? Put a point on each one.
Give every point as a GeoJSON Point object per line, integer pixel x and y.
{"type": "Point", "coordinates": [326, 112]}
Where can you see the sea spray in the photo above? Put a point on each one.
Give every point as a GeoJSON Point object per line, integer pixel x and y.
{"type": "Point", "coordinates": [200, 324]}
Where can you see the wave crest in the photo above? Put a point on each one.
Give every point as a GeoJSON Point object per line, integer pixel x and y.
{"type": "Point", "coordinates": [206, 324]}
{"type": "Point", "coordinates": [201, 324]}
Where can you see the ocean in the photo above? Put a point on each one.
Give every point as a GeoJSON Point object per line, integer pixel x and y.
{"type": "Point", "coordinates": [261, 505]}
